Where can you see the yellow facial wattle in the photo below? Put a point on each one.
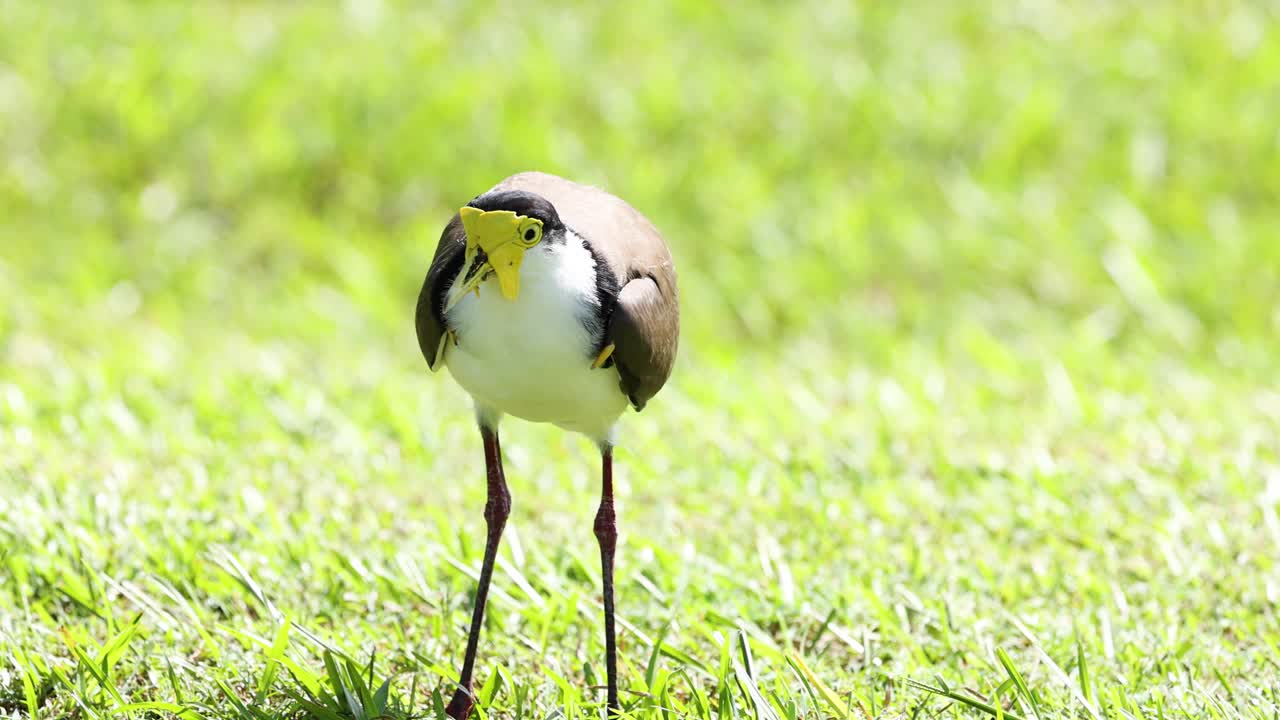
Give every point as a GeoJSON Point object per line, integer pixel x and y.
{"type": "Point", "coordinates": [502, 236]}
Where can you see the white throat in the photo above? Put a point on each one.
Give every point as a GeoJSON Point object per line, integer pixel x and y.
{"type": "Point", "coordinates": [531, 357]}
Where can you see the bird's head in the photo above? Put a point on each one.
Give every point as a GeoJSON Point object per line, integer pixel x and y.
{"type": "Point", "coordinates": [501, 227]}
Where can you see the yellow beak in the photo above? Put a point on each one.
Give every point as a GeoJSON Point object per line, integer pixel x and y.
{"type": "Point", "coordinates": [505, 261]}
{"type": "Point", "coordinates": [492, 245]}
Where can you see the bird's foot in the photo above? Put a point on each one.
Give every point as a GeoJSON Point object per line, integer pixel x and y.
{"type": "Point", "coordinates": [460, 706]}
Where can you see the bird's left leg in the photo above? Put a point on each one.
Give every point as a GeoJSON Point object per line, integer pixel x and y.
{"type": "Point", "coordinates": [606, 529]}
{"type": "Point", "coordinates": [496, 510]}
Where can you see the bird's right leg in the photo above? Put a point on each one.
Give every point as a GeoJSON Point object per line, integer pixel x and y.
{"type": "Point", "coordinates": [496, 510]}
{"type": "Point", "coordinates": [606, 529]}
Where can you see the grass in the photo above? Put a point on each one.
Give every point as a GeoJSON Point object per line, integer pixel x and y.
{"type": "Point", "coordinates": [975, 415]}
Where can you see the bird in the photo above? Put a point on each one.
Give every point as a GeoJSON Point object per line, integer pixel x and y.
{"type": "Point", "coordinates": [553, 302]}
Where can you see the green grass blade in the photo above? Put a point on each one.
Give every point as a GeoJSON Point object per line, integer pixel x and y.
{"type": "Point", "coordinates": [975, 703]}
{"type": "Point", "coordinates": [1018, 681]}
{"type": "Point", "coordinates": [817, 687]}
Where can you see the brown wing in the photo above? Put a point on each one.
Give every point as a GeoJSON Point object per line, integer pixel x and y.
{"type": "Point", "coordinates": [645, 325]}
{"type": "Point", "coordinates": [645, 331]}
{"type": "Point", "coordinates": [445, 266]}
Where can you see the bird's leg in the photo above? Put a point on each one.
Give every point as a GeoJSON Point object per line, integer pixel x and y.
{"type": "Point", "coordinates": [606, 527]}
{"type": "Point", "coordinates": [496, 510]}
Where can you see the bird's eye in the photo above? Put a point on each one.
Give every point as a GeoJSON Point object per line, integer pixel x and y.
{"type": "Point", "coordinates": [530, 232]}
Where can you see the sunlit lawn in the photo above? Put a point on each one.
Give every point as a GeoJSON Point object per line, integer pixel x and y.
{"type": "Point", "coordinates": [977, 393]}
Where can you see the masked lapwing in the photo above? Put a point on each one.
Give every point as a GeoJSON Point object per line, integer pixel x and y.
{"type": "Point", "coordinates": [556, 303]}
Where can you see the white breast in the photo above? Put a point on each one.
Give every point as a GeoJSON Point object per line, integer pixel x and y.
{"type": "Point", "coordinates": [531, 357]}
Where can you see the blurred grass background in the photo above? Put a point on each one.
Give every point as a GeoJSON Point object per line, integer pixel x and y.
{"type": "Point", "coordinates": [979, 304]}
